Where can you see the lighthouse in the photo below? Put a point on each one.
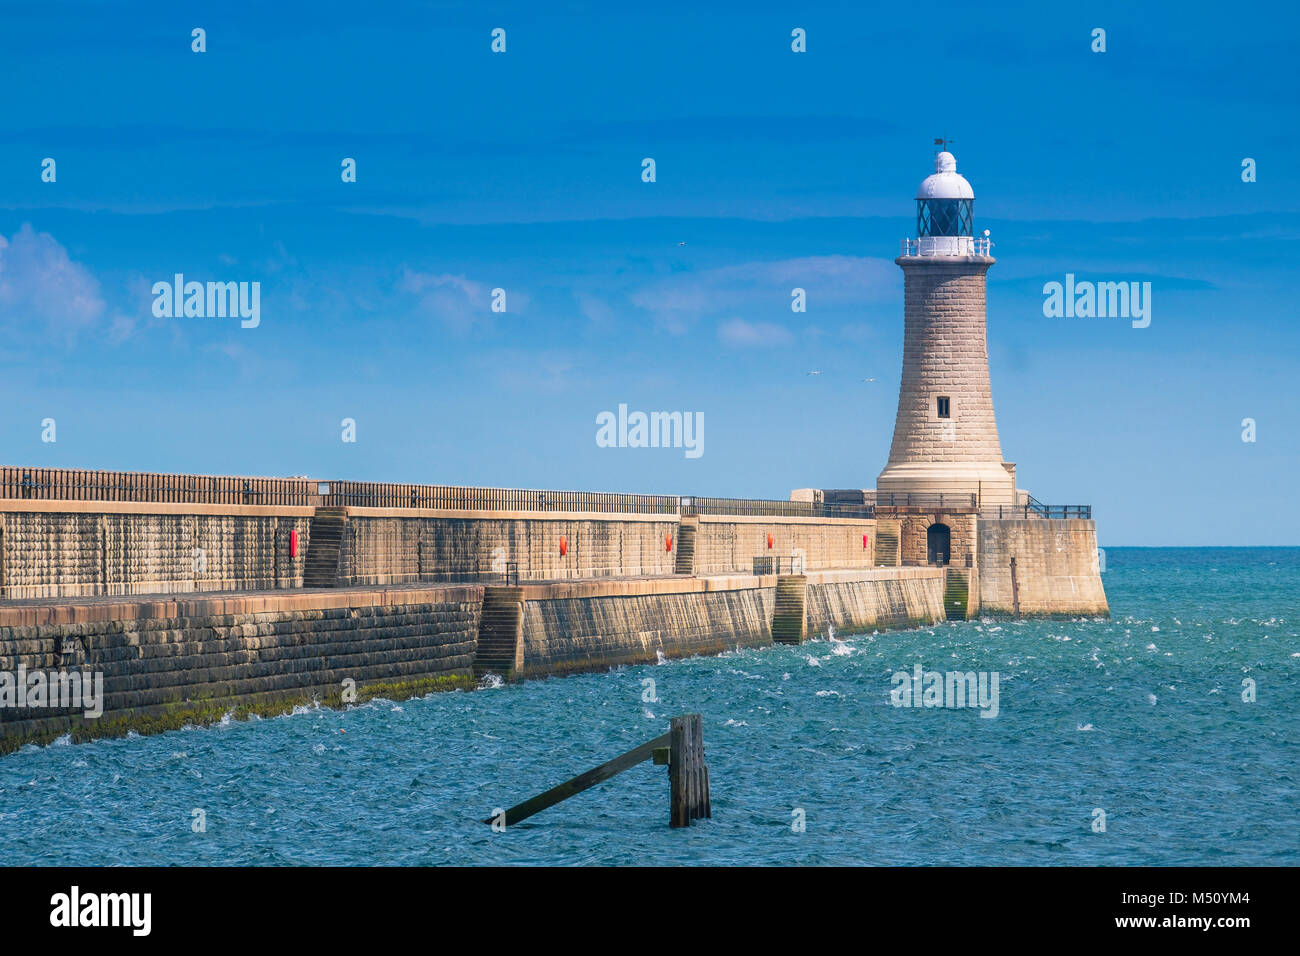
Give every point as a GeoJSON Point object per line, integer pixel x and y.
{"type": "Point", "coordinates": [946, 499]}
{"type": "Point", "coordinates": [945, 434]}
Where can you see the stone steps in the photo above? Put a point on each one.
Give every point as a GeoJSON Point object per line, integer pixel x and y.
{"type": "Point", "coordinates": [956, 593]}
{"type": "Point", "coordinates": [500, 631]}
{"type": "Point", "coordinates": [685, 545]}
{"type": "Point", "coordinates": [324, 548]}
{"type": "Point", "coordinates": [886, 547]}
{"type": "Point", "coordinates": [789, 617]}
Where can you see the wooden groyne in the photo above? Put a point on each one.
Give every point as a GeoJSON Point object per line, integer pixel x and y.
{"type": "Point", "coordinates": [682, 749]}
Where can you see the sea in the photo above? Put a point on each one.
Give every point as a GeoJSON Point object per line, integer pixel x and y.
{"type": "Point", "coordinates": [1168, 734]}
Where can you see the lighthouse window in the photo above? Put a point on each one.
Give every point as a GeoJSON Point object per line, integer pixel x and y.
{"type": "Point", "coordinates": [945, 217]}
{"type": "Point", "coordinates": [944, 408]}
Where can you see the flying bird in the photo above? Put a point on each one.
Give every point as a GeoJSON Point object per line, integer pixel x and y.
{"type": "Point", "coordinates": [815, 371]}
{"type": "Point", "coordinates": [868, 380]}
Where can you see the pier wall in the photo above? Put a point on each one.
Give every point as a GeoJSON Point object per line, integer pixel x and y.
{"type": "Point", "coordinates": [176, 661]}
{"type": "Point", "coordinates": [854, 602]}
{"type": "Point", "coordinates": [81, 549]}
{"type": "Point", "coordinates": [173, 662]}
{"type": "Point", "coordinates": [398, 546]}
{"type": "Point", "coordinates": [1057, 571]}
{"type": "Point", "coordinates": [51, 549]}
{"type": "Point", "coordinates": [726, 544]}
{"type": "Point", "coordinates": [584, 626]}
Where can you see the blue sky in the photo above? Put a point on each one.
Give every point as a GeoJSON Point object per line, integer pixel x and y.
{"type": "Point", "coordinates": [522, 171]}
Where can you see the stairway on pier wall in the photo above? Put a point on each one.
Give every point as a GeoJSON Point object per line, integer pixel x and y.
{"type": "Point", "coordinates": [956, 593]}
{"type": "Point", "coordinates": [789, 620]}
{"type": "Point", "coordinates": [887, 549]}
{"type": "Point", "coordinates": [685, 546]}
{"type": "Point", "coordinates": [500, 635]}
{"type": "Point", "coordinates": [324, 548]}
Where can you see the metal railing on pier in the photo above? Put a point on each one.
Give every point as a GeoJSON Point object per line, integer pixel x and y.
{"type": "Point", "coordinates": [1028, 507]}
{"type": "Point", "coordinates": [368, 494]}
{"type": "Point", "coordinates": [71, 484]}
{"type": "Point", "coordinates": [778, 564]}
{"type": "Point", "coordinates": [1036, 509]}
{"type": "Point", "coordinates": [773, 507]}
{"type": "Point", "coordinates": [957, 501]}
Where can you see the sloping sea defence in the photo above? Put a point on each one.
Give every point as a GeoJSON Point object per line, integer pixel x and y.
{"type": "Point", "coordinates": [167, 662]}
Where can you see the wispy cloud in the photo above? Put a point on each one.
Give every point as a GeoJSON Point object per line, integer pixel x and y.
{"type": "Point", "coordinates": [742, 334]}
{"type": "Point", "coordinates": [454, 300]}
{"type": "Point", "coordinates": [41, 284]}
{"type": "Point", "coordinates": [677, 300]}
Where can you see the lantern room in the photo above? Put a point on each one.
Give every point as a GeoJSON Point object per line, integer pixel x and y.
{"type": "Point", "coordinates": [945, 202]}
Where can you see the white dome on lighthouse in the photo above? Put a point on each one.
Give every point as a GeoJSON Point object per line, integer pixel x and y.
{"type": "Point", "coordinates": [946, 183]}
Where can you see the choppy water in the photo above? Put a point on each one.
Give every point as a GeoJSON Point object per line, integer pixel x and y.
{"type": "Point", "coordinates": [1141, 716]}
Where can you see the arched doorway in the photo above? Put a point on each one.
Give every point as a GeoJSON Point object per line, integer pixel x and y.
{"type": "Point", "coordinates": [938, 540]}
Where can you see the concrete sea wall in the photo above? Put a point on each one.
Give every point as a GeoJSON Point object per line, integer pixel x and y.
{"type": "Point", "coordinates": [854, 601]}
{"type": "Point", "coordinates": [168, 663]}
{"type": "Point", "coordinates": [593, 625]}
{"type": "Point", "coordinates": [1056, 574]}
{"type": "Point", "coordinates": [586, 627]}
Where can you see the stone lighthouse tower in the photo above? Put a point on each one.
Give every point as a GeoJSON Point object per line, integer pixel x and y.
{"type": "Point", "coordinates": [945, 435]}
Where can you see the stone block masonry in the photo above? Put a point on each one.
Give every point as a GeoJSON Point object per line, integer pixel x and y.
{"type": "Point", "coordinates": [590, 625]}
{"type": "Point", "coordinates": [85, 549]}
{"type": "Point", "coordinates": [54, 549]}
{"type": "Point", "coordinates": [398, 546]}
{"type": "Point", "coordinates": [1057, 571]}
{"type": "Point", "coordinates": [854, 602]}
{"type": "Point", "coordinates": [174, 662]}
{"type": "Point", "coordinates": [728, 545]}
{"type": "Point", "coordinates": [171, 662]}
{"type": "Point", "coordinates": [945, 353]}
{"type": "Point", "coordinates": [566, 635]}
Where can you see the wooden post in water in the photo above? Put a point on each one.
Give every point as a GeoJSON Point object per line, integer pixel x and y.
{"type": "Point", "coordinates": [688, 775]}
{"type": "Point", "coordinates": [682, 748]}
